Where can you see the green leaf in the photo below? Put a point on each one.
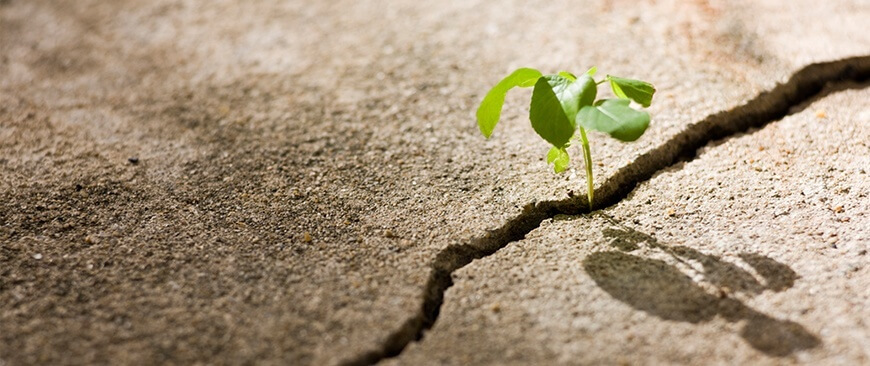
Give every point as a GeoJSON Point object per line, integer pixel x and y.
{"type": "Point", "coordinates": [573, 95]}
{"type": "Point", "coordinates": [592, 70]}
{"type": "Point", "coordinates": [614, 117]}
{"type": "Point", "coordinates": [589, 90]}
{"type": "Point", "coordinates": [559, 158]}
{"type": "Point", "coordinates": [636, 90]}
{"type": "Point", "coordinates": [489, 111]}
{"type": "Point", "coordinates": [546, 114]}
{"type": "Point", "coordinates": [567, 75]}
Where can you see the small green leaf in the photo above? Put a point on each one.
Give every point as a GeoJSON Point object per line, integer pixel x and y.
{"type": "Point", "coordinates": [636, 90]}
{"type": "Point", "coordinates": [567, 75]}
{"type": "Point", "coordinates": [573, 95]}
{"type": "Point", "coordinates": [592, 71]}
{"type": "Point", "coordinates": [559, 158]}
{"type": "Point", "coordinates": [552, 154]}
{"type": "Point", "coordinates": [590, 90]}
{"type": "Point", "coordinates": [547, 117]}
{"type": "Point", "coordinates": [489, 111]}
{"type": "Point", "coordinates": [614, 117]}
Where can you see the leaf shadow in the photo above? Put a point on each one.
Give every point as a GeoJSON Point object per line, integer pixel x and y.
{"type": "Point", "coordinates": [661, 289]}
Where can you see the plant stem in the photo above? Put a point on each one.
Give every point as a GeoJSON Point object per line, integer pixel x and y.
{"type": "Point", "coordinates": [587, 159]}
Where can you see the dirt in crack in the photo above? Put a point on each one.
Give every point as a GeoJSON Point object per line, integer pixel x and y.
{"type": "Point", "coordinates": [810, 83]}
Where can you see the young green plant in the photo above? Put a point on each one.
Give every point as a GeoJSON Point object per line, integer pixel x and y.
{"type": "Point", "coordinates": [563, 106]}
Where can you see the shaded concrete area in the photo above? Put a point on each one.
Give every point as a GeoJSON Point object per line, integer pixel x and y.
{"type": "Point", "coordinates": [231, 182]}
{"type": "Point", "coordinates": [754, 252]}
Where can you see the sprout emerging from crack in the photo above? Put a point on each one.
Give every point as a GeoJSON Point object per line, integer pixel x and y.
{"type": "Point", "coordinates": [564, 104]}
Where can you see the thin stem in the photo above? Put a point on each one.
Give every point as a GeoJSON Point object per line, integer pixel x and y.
{"type": "Point", "coordinates": [587, 159]}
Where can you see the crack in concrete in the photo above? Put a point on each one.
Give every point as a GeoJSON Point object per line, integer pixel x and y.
{"type": "Point", "coordinates": [805, 85]}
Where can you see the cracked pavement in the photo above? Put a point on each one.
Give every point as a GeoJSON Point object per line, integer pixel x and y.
{"type": "Point", "coordinates": [715, 269]}
{"type": "Point", "coordinates": [222, 182]}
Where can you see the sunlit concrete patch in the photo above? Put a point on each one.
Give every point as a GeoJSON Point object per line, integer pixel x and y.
{"type": "Point", "coordinates": [756, 251]}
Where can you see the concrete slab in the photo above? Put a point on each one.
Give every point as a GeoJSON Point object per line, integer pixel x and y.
{"type": "Point", "coordinates": [232, 182]}
{"type": "Point", "coordinates": [755, 252]}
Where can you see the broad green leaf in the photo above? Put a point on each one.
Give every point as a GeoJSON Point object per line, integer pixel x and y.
{"type": "Point", "coordinates": [547, 117]}
{"type": "Point", "coordinates": [573, 95]}
{"type": "Point", "coordinates": [567, 75]}
{"type": "Point", "coordinates": [616, 118]}
{"type": "Point", "coordinates": [489, 111]}
{"type": "Point", "coordinates": [559, 158]}
{"type": "Point", "coordinates": [636, 90]}
{"type": "Point", "coordinates": [592, 70]}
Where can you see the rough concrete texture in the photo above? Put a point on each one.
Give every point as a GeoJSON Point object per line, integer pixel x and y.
{"type": "Point", "coordinates": [755, 252]}
{"type": "Point", "coordinates": [232, 182]}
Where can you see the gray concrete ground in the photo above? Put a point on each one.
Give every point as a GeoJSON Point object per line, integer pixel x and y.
{"type": "Point", "coordinates": [755, 252]}
{"type": "Point", "coordinates": [269, 182]}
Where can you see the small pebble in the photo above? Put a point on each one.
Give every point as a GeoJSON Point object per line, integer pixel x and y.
{"type": "Point", "coordinates": [389, 233]}
{"type": "Point", "coordinates": [838, 209]}
{"type": "Point", "coordinates": [306, 237]}
{"type": "Point", "coordinates": [671, 212]}
{"type": "Point", "coordinates": [821, 113]}
{"type": "Point", "coordinates": [37, 256]}
{"type": "Point", "coordinates": [133, 160]}
{"type": "Point", "coordinates": [496, 308]}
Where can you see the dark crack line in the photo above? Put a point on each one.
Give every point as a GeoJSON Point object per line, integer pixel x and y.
{"type": "Point", "coordinates": [805, 85]}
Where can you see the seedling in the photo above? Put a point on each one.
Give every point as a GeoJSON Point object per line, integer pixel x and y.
{"type": "Point", "coordinates": [563, 104]}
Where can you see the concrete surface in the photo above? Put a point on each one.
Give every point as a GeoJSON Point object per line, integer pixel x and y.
{"type": "Point", "coordinates": [270, 182]}
{"type": "Point", "coordinates": [754, 253]}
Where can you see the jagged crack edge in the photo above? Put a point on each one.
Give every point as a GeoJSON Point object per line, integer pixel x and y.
{"type": "Point", "coordinates": [767, 107]}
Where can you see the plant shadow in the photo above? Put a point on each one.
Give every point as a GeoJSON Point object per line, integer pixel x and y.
{"type": "Point", "coordinates": [663, 290]}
